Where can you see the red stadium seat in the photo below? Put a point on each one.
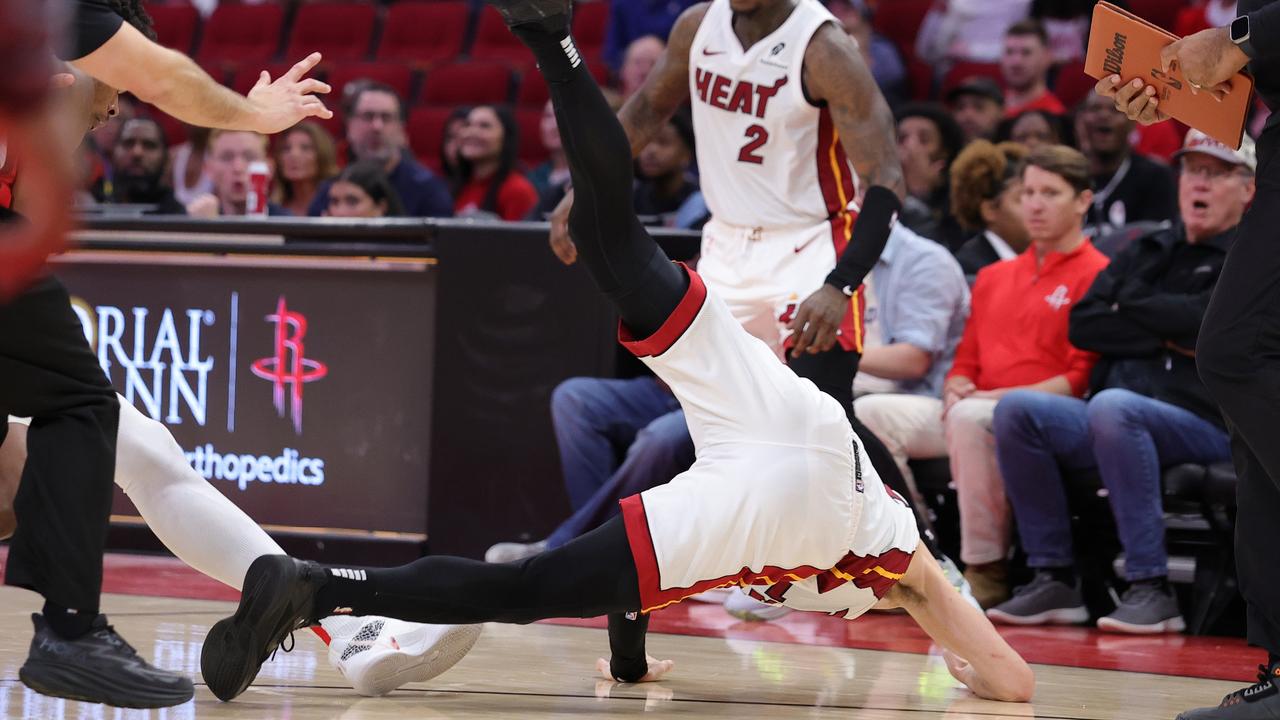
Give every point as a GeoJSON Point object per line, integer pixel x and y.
{"type": "Point", "coordinates": [240, 34]}
{"type": "Point", "coordinates": [920, 77]}
{"type": "Point", "coordinates": [341, 31]}
{"type": "Point", "coordinates": [175, 133]}
{"type": "Point", "coordinates": [398, 75]}
{"type": "Point", "coordinates": [1072, 85]}
{"type": "Point", "coordinates": [899, 21]}
{"type": "Point", "coordinates": [962, 71]}
{"type": "Point", "coordinates": [532, 152]}
{"type": "Point", "coordinates": [426, 131]}
{"type": "Point", "coordinates": [175, 25]}
{"type": "Point", "coordinates": [467, 84]}
{"type": "Point", "coordinates": [1160, 12]}
{"type": "Point", "coordinates": [533, 91]}
{"type": "Point", "coordinates": [590, 25]}
{"type": "Point", "coordinates": [424, 32]}
{"type": "Point", "coordinates": [494, 41]}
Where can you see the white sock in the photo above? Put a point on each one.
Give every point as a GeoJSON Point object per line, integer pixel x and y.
{"type": "Point", "coordinates": [196, 522]}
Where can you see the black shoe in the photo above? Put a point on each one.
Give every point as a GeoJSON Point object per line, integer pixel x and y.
{"type": "Point", "coordinates": [99, 667]}
{"type": "Point", "coordinates": [546, 13]}
{"type": "Point", "coordinates": [1259, 701]}
{"type": "Point", "coordinates": [276, 599]}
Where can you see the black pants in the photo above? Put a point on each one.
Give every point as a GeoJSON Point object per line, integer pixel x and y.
{"type": "Point", "coordinates": [49, 373]}
{"type": "Point", "coordinates": [1238, 355]}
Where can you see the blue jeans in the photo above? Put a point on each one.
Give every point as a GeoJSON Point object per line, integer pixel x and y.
{"type": "Point", "coordinates": [1126, 437]}
{"type": "Point", "coordinates": [593, 418]}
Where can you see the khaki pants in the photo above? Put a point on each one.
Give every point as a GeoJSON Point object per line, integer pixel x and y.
{"type": "Point", "coordinates": [912, 427]}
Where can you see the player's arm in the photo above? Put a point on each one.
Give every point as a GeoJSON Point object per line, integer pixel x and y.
{"type": "Point", "coordinates": [975, 653]}
{"type": "Point", "coordinates": [667, 86]}
{"type": "Point", "coordinates": [644, 113]}
{"type": "Point", "coordinates": [176, 85]}
{"type": "Point", "coordinates": [628, 661]}
{"type": "Point", "coordinates": [836, 75]}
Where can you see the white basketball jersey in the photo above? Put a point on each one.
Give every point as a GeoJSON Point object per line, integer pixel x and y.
{"type": "Point", "coordinates": [768, 157]}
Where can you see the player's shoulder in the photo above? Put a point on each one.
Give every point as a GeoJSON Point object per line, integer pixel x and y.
{"type": "Point", "coordinates": [689, 20]}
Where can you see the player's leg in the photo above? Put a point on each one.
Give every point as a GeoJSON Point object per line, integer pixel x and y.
{"type": "Point", "coordinates": [48, 372]}
{"type": "Point", "coordinates": [590, 576]}
{"type": "Point", "coordinates": [627, 265]}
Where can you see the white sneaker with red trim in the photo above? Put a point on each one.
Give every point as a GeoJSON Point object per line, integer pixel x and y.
{"type": "Point", "coordinates": [377, 655]}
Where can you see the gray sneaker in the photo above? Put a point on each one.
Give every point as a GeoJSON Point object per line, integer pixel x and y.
{"type": "Point", "coordinates": [1145, 609]}
{"type": "Point", "coordinates": [506, 552]}
{"type": "Point", "coordinates": [1043, 601]}
{"type": "Point", "coordinates": [1259, 701]}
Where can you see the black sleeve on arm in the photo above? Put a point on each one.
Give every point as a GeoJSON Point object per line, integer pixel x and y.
{"type": "Point", "coordinates": [93, 24]}
{"type": "Point", "coordinates": [627, 661]}
{"type": "Point", "coordinates": [880, 210]}
{"type": "Point", "coordinates": [1264, 32]}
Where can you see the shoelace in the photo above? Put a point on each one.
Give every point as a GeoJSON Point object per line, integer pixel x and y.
{"type": "Point", "coordinates": [1265, 677]}
{"type": "Point", "coordinates": [1036, 583]}
{"type": "Point", "coordinates": [1137, 591]}
{"type": "Point", "coordinates": [282, 647]}
{"type": "Point", "coordinates": [109, 632]}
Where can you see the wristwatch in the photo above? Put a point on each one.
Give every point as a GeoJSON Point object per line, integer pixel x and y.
{"type": "Point", "coordinates": [1240, 36]}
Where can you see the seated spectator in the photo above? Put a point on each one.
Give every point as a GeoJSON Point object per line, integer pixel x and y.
{"type": "Point", "coordinates": [928, 141]}
{"type": "Point", "coordinates": [1066, 23]}
{"type": "Point", "coordinates": [189, 179]}
{"type": "Point", "coordinates": [965, 30]}
{"type": "Point", "coordinates": [451, 142]}
{"type": "Point", "coordinates": [1025, 68]}
{"type": "Point", "coordinates": [137, 170]}
{"type": "Point", "coordinates": [1034, 129]}
{"type": "Point", "coordinates": [633, 19]}
{"type": "Point", "coordinates": [917, 302]}
{"type": "Point", "coordinates": [986, 195]}
{"type": "Point", "coordinates": [551, 178]}
{"type": "Point", "coordinates": [977, 104]}
{"type": "Point", "coordinates": [305, 157]}
{"type": "Point", "coordinates": [376, 131]}
{"type": "Point", "coordinates": [664, 184]}
{"type": "Point", "coordinates": [227, 161]}
{"type": "Point", "coordinates": [642, 54]}
{"type": "Point", "coordinates": [1016, 338]}
{"type": "Point", "coordinates": [362, 190]}
{"type": "Point", "coordinates": [1148, 408]}
{"type": "Point", "coordinates": [595, 419]}
{"type": "Point", "coordinates": [1130, 187]}
{"type": "Point", "coordinates": [491, 184]}
{"type": "Point", "coordinates": [879, 52]}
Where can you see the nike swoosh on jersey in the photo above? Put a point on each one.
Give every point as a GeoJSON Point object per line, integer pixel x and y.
{"type": "Point", "coordinates": [710, 53]}
{"type": "Point", "coordinates": [804, 244]}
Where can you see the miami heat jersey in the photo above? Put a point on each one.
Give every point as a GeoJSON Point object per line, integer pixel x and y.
{"type": "Point", "coordinates": [768, 157]}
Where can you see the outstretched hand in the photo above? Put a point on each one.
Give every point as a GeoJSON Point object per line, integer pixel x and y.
{"type": "Point", "coordinates": [290, 98]}
{"type": "Point", "coordinates": [561, 244]}
{"type": "Point", "coordinates": [657, 669]}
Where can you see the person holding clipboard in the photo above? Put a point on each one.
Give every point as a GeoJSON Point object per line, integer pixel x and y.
{"type": "Point", "coordinates": [1238, 352]}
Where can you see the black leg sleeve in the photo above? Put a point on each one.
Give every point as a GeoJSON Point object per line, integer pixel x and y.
{"type": "Point", "coordinates": [590, 576]}
{"type": "Point", "coordinates": [627, 265]}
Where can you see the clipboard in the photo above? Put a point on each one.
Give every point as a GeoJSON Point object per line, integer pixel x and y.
{"type": "Point", "coordinates": [1121, 43]}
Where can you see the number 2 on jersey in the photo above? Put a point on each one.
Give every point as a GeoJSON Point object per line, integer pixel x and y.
{"type": "Point", "coordinates": [757, 136]}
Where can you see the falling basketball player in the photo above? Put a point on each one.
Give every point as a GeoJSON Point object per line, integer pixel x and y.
{"type": "Point", "coordinates": [780, 493]}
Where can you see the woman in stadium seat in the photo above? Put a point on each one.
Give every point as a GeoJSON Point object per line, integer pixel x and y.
{"type": "Point", "coordinates": [491, 184]}
{"type": "Point", "coordinates": [362, 190]}
{"type": "Point", "coordinates": [305, 157]}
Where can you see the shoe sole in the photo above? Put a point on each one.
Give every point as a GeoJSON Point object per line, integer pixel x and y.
{"type": "Point", "coordinates": [417, 661]}
{"type": "Point", "coordinates": [53, 679]}
{"type": "Point", "coordinates": [1171, 625]}
{"type": "Point", "coordinates": [1059, 616]}
{"type": "Point", "coordinates": [517, 13]}
{"type": "Point", "coordinates": [236, 647]}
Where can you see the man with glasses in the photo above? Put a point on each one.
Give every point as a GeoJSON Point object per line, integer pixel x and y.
{"type": "Point", "coordinates": [1148, 407]}
{"type": "Point", "coordinates": [376, 131]}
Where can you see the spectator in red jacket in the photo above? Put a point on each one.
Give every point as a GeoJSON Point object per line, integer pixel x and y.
{"type": "Point", "coordinates": [491, 184]}
{"type": "Point", "coordinates": [1025, 67]}
{"type": "Point", "coordinates": [1016, 338]}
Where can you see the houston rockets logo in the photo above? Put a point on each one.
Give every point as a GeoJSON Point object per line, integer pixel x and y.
{"type": "Point", "coordinates": [290, 365]}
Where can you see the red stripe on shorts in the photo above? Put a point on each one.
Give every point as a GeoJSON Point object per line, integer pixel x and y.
{"type": "Point", "coordinates": [679, 321]}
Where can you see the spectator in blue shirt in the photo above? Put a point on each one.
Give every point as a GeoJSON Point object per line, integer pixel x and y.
{"type": "Point", "coordinates": [376, 131]}
{"type": "Point", "coordinates": [633, 19]}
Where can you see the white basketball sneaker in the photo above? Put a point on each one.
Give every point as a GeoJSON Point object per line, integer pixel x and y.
{"type": "Point", "coordinates": [744, 607]}
{"type": "Point", "coordinates": [377, 655]}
